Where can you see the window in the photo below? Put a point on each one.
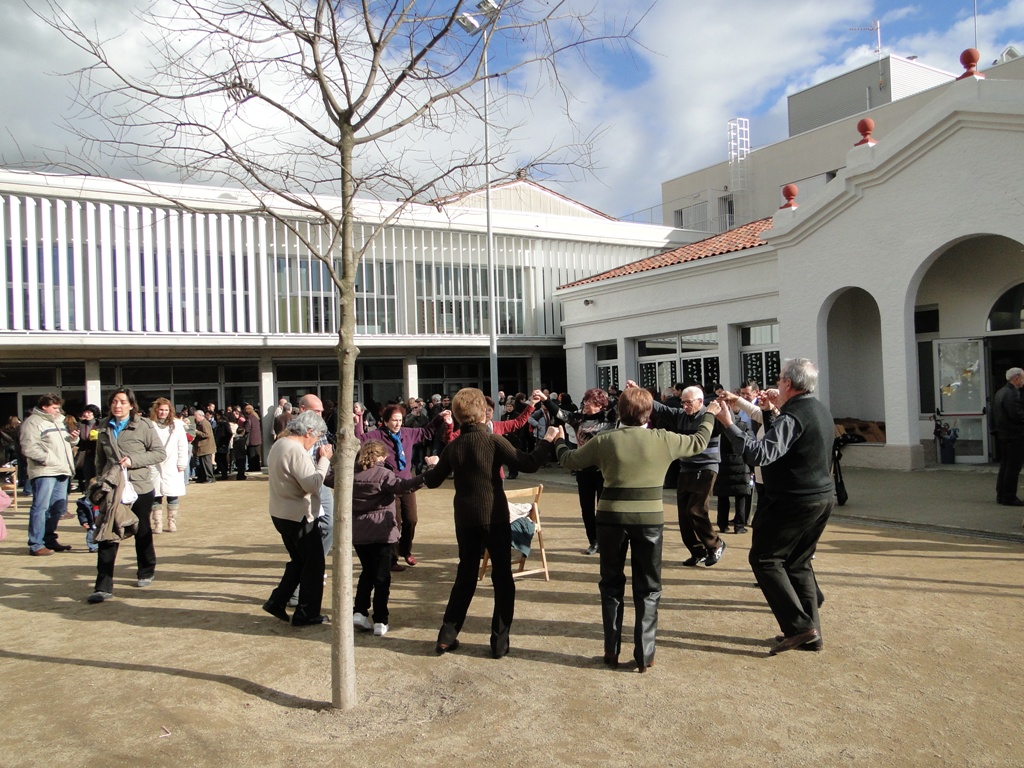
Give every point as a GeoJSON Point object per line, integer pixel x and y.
{"type": "Point", "coordinates": [926, 329]}
{"type": "Point", "coordinates": [759, 354]}
{"type": "Point", "coordinates": [607, 365]}
{"type": "Point", "coordinates": [692, 217]}
{"type": "Point", "coordinates": [689, 358]}
{"type": "Point", "coordinates": [1008, 313]}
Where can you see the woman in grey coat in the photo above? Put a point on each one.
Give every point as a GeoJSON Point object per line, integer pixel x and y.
{"type": "Point", "coordinates": [127, 439]}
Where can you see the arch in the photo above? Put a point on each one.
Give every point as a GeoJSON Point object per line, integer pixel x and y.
{"type": "Point", "coordinates": [1007, 314]}
{"type": "Point", "coordinates": [853, 334]}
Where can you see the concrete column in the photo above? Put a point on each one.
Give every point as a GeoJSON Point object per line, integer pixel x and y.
{"type": "Point", "coordinates": [411, 375]}
{"type": "Point", "coordinates": [729, 356]}
{"type": "Point", "coordinates": [268, 399]}
{"type": "Point", "coordinates": [93, 385]}
{"type": "Point", "coordinates": [532, 373]}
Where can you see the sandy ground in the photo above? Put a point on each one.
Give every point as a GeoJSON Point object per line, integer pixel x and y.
{"type": "Point", "coordinates": [922, 664]}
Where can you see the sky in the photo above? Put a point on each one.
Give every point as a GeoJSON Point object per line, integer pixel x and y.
{"type": "Point", "coordinates": [655, 110]}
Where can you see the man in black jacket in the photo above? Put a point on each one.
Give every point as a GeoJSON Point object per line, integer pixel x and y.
{"type": "Point", "coordinates": [1008, 424]}
{"type": "Point", "coordinates": [795, 458]}
{"type": "Point", "coordinates": [696, 478]}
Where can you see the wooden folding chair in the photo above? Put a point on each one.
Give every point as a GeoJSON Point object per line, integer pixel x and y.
{"type": "Point", "coordinates": [9, 483]}
{"type": "Point", "coordinates": [533, 494]}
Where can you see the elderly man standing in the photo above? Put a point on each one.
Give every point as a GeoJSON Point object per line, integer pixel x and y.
{"type": "Point", "coordinates": [46, 445]}
{"type": "Point", "coordinates": [795, 457]}
{"type": "Point", "coordinates": [696, 478]}
{"type": "Point", "coordinates": [1008, 424]}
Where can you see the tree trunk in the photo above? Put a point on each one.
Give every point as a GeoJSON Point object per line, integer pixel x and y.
{"type": "Point", "coordinates": [343, 658]}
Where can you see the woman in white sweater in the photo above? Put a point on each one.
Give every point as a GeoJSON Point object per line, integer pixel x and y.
{"type": "Point", "coordinates": [295, 480]}
{"type": "Point", "coordinates": [169, 474]}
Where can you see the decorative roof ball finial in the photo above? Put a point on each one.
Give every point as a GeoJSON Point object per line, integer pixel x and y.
{"type": "Point", "coordinates": [865, 127]}
{"type": "Point", "coordinates": [969, 60]}
{"type": "Point", "coordinates": [790, 191]}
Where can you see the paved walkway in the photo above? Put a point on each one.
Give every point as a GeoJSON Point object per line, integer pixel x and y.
{"type": "Point", "coordinates": [952, 499]}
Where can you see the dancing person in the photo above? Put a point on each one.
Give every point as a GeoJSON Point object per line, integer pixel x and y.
{"type": "Point", "coordinates": [631, 514]}
{"type": "Point", "coordinates": [400, 441]}
{"type": "Point", "coordinates": [46, 444]}
{"type": "Point", "coordinates": [696, 479]}
{"type": "Point", "coordinates": [169, 474]}
{"type": "Point", "coordinates": [295, 482]}
{"type": "Point", "coordinates": [594, 416]}
{"type": "Point", "coordinates": [375, 530]}
{"type": "Point", "coordinates": [481, 516]}
{"type": "Point", "coordinates": [795, 456]}
{"type": "Point", "coordinates": [126, 438]}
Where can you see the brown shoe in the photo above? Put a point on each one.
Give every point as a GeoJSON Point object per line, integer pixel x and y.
{"type": "Point", "coordinates": [795, 641]}
{"type": "Point", "coordinates": [41, 552]}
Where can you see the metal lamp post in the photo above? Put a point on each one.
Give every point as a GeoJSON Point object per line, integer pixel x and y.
{"type": "Point", "coordinates": [490, 11]}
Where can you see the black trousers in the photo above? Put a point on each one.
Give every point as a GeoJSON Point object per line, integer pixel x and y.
{"type": "Point", "coordinates": [742, 511]}
{"type": "Point", "coordinates": [305, 568]}
{"type": "Point", "coordinates": [375, 579]}
{"type": "Point", "coordinates": [472, 540]}
{"type": "Point", "coordinates": [145, 553]}
{"type": "Point", "coordinates": [589, 484]}
{"type": "Point", "coordinates": [785, 538]}
{"type": "Point", "coordinates": [1010, 463]}
{"type": "Point", "coordinates": [614, 542]}
{"type": "Point", "coordinates": [693, 505]}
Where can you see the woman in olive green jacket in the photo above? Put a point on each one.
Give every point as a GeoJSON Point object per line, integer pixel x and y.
{"type": "Point", "coordinates": [127, 439]}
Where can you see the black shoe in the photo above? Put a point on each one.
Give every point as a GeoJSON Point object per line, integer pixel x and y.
{"type": "Point", "coordinates": [694, 560]}
{"type": "Point", "coordinates": [1012, 502]}
{"type": "Point", "coordinates": [740, 529]}
{"type": "Point", "coordinates": [299, 621]}
{"type": "Point", "coordinates": [591, 550]}
{"type": "Point", "coordinates": [61, 547]}
{"type": "Point", "coordinates": [441, 648]}
{"type": "Point", "coordinates": [715, 556]}
{"type": "Point", "coordinates": [277, 611]}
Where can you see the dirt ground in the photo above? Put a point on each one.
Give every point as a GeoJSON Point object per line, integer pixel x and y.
{"type": "Point", "coordinates": [922, 664]}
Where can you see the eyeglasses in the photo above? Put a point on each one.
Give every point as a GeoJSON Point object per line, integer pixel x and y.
{"type": "Point", "coordinates": [690, 402]}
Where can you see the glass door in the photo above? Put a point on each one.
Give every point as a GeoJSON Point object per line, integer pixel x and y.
{"type": "Point", "coordinates": [961, 420]}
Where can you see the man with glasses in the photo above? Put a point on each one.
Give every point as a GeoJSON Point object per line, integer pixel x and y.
{"type": "Point", "coordinates": [795, 457]}
{"type": "Point", "coordinates": [696, 478]}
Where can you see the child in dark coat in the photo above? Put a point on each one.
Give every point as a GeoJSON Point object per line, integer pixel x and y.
{"type": "Point", "coordinates": [374, 529]}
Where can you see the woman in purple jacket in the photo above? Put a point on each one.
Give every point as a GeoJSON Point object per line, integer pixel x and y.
{"type": "Point", "coordinates": [399, 441]}
{"type": "Point", "coordinates": [375, 531]}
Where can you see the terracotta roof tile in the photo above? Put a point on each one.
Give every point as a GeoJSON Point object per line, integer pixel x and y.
{"type": "Point", "coordinates": [739, 239]}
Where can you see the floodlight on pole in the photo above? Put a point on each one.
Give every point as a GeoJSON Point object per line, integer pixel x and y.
{"type": "Point", "coordinates": [490, 11]}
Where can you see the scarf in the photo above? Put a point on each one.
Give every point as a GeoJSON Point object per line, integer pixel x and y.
{"type": "Point", "coordinates": [399, 450]}
{"type": "Point", "coordinates": [118, 426]}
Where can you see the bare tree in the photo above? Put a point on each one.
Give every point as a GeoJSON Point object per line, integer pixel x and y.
{"type": "Point", "coordinates": [301, 102]}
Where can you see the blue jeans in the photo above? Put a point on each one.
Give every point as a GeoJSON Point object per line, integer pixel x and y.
{"type": "Point", "coordinates": [49, 503]}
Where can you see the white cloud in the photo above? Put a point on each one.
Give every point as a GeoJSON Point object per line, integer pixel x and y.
{"type": "Point", "coordinates": [699, 66]}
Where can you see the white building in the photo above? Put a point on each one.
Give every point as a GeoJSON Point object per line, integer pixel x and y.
{"type": "Point", "coordinates": [105, 283]}
{"type": "Point", "coordinates": [901, 274]}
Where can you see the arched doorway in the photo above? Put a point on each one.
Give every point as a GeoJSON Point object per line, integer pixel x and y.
{"type": "Point", "coordinates": [973, 297]}
{"type": "Point", "coordinates": [855, 381]}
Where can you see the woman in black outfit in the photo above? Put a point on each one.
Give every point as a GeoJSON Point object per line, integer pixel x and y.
{"type": "Point", "coordinates": [481, 515]}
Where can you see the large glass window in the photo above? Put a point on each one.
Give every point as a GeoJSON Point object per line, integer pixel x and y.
{"type": "Point", "coordinates": [1008, 313]}
{"type": "Point", "coordinates": [687, 358]}
{"type": "Point", "coordinates": [607, 365]}
{"type": "Point", "coordinates": [759, 353]}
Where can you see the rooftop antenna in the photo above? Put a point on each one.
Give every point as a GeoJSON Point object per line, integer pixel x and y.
{"type": "Point", "coordinates": [876, 27]}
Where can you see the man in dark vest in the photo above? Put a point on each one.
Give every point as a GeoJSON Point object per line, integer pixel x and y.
{"type": "Point", "coordinates": [1008, 424]}
{"type": "Point", "coordinates": [696, 478]}
{"type": "Point", "coordinates": [795, 457]}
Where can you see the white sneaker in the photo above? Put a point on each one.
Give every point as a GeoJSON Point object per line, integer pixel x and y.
{"type": "Point", "coordinates": [379, 630]}
{"type": "Point", "coordinates": [361, 621]}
